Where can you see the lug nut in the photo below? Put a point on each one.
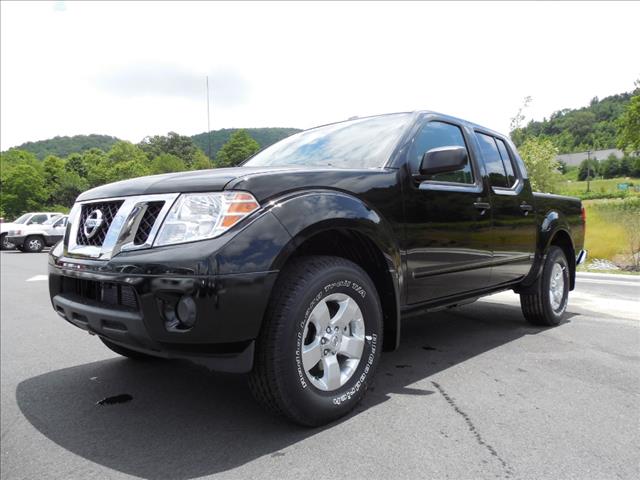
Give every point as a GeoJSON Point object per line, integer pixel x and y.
{"type": "Point", "coordinates": [323, 340]}
{"type": "Point", "coordinates": [326, 351]}
{"type": "Point", "coordinates": [337, 329]}
{"type": "Point", "coordinates": [328, 329]}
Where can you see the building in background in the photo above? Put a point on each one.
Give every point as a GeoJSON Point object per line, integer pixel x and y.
{"type": "Point", "coordinates": [576, 158]}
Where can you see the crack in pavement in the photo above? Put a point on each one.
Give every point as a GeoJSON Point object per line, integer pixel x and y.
{"type": "Point", "coordinates": [472, 428]}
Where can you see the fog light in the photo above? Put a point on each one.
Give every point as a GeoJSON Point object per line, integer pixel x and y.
{"type": "Point", "coordinates": [186, 311]}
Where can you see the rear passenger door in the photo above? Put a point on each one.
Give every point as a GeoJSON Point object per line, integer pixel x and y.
{"type": "Point", "coordinates": [514, 222]}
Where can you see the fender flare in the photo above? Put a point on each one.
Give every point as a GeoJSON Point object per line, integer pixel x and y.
{"type": "Point", "coordinates": [551, 225]}
{"type": "Point", "coordinates": [306, 214]}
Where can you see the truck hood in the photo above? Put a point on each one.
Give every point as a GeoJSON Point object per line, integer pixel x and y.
{"type": "Point", "coordinates": [5, 227]}
{"type": "Point", "coordinates": [36, 227]}
{"type": "Point", "coordinates": [183, 182]}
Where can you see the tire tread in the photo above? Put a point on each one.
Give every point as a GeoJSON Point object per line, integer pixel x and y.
{"type": "Point", "coordinates": [533, 304]}
{"type": "Point", "coordinates": [293, 283]}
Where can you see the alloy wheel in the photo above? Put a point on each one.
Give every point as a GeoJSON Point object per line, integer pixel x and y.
{"type": "Point", "coordinates": [334, 337]}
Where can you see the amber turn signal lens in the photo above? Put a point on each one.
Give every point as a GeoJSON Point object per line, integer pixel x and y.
{"type": "Point", "coordinates": [230, 220]}
{"type": "Point", "coordinates": [244, 207]}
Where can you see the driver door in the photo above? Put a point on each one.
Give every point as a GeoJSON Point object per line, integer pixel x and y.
{"type": "Point", "coordinates": [448, 219]}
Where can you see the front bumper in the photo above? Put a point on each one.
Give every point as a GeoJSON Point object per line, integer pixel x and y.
{"type": "Point", "coordinates": [137, 310]}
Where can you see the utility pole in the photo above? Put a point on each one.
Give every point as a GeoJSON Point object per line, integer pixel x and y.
{"type": "Point", "coordinates": [208, 121]}
{"type": "Point", "coordinates": [588, 167]}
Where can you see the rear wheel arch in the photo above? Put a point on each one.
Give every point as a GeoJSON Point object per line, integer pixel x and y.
{"type": "Point", "coordinates": [562, 239]}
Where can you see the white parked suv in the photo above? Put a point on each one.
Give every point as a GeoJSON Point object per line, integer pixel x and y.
{"type": "Point", "coordinates": [21, 223]}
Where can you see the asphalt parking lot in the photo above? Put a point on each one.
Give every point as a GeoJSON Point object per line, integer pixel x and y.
{"type": "Point", "coordinates": [472, 393]}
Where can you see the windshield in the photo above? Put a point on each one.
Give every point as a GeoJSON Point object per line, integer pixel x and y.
{"type": "Point", "coordinates": [361, 143]}
{"type": "Point", "coordinates": [23, 218]}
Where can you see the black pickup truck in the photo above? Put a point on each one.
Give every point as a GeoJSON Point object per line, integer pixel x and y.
{"type": "Point", "coordinates": [298, 266]}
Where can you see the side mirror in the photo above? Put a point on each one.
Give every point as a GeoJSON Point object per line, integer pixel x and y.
{"type": "Point", "coordinates": [443, 159]}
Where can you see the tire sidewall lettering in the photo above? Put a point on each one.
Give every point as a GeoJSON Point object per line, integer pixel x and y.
{"type": "Point", "coordinates": [358, 382]}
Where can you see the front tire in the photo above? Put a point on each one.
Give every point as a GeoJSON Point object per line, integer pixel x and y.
{"type": "Point", "coordinates": [320, 342]}
{"type": "Point", "coordinates": [33, 244]}
{"type": "Point", "coordinates": [546, 304]}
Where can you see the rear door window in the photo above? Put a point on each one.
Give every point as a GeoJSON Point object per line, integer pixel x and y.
{"type": "Point", "coordinates": [492, 160]}
{"type": "Point", "coordinates": [506, 160]}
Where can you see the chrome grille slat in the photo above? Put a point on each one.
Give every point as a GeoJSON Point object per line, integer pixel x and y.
{"type": "Point", "coordinates": [128, 223]}
{"type": "Point", "coordinates": [109, 211]}
{"type": "Point", "coordinates": [147, 222]}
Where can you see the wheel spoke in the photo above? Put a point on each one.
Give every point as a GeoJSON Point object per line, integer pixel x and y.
{"type": "Point", "coordinates": [311, 355]}
{"type": "Point", "coordinates": [351, 347]}
{"type": "Point", "coordinates": [348, 312]}
{"type": "Point", "coordinates": [331, 377]}
{"type": "Point", "coordinates": [320, 316]}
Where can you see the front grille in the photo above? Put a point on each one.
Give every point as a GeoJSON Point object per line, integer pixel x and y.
{"type": "Point", "coordinates": [148, 220]}
{"type": "Point", "coordinates": [109, 211]}
{"type": "Point", "coordinates": [110, 294]}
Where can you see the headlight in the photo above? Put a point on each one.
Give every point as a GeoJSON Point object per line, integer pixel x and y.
{"type": "Point", "coordinates": [197, 216]}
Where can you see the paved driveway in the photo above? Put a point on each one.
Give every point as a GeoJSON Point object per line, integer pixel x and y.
{"type": "Point", "coordinates": [472, 393]}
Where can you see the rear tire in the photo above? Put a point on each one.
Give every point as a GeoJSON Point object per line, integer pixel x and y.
{"type": "Point", "coordinates": [320, 341]}
{"type": "Point", "coordinates": [125, 352]}
{"type": "Point", "coordinates": [33, 244]}
{"type": "Point", "coordinates": [547, 302]}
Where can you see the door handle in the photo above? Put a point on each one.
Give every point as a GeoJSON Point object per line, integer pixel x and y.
{"type": "Point", "coordinates": [525, 207]}
{"type": "Point", "coordinates": [482, 206]}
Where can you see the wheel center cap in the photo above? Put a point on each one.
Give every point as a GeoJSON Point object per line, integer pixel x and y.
{"type": "Point", "coordinates": [333, 341]}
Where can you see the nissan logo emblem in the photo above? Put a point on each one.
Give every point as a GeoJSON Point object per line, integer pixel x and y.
{"type": "Point", "coordinates": [93, 223]}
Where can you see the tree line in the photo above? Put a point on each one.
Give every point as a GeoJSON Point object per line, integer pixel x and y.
{"type": "Point", "coordinates": [540, 142]}
{"type": "Point", "coordinates": [594, 127]}
{"type": "Point", "coordinates": [64, 146]}
{"type": "Point", "coordinates": [28, 184]}
{"type": "Point", "coordinates": [611, 167]}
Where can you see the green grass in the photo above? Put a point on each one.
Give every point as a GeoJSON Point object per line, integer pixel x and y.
{"type": "Point", "coordinates": [610, 225]}
{"type": "Point", "coordinates": [600, 188]}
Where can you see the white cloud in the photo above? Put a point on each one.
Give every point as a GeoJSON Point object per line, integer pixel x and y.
{"type": "Point", "coordinates": [147, 79]}
{"type": "Point", "coordinates": [136, 69]}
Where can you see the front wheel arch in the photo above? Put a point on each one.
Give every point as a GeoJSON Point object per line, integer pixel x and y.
{"type": "Point", "coordinates": [357, 247]}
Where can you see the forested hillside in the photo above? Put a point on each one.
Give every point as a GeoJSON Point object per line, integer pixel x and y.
{"type": "Point", "coordinates": [29, 183]}
{"type": "Point", "coordinates": [264, 137]}
{"type": "Point", "coordinates": [576, 130]}
{"type": "Point", "coordinates": [63, 146]}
